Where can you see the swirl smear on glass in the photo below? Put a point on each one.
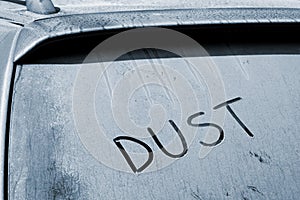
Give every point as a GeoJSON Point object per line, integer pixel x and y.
{"type": "Point", "coordinates": [97, 84]}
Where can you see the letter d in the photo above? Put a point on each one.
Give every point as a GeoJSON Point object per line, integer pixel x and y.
{"type": "Point", "coordinates": [127, 157]}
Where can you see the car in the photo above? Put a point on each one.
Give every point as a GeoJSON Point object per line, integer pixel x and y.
{"type": "Point", "coordinates": [149, 100]}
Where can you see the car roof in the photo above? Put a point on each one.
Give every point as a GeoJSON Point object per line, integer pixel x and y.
{"type": "Point", "coordinates": [16, 11]}
{"type": "Point", "coordinates": [47, 28]}
{"type": "Point", "coordinates": [93, 15]}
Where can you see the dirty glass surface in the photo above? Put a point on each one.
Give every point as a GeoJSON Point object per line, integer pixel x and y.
{"type": "Point", "coordinates": [48, 160]}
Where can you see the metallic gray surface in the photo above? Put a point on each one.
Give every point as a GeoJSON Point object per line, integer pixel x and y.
{"type": "Point", "coordinates": [7, 43]}
{"type": "Point", "coordinates": [20, 12]}
{"type": "Point", "coordinates": [41, 7]}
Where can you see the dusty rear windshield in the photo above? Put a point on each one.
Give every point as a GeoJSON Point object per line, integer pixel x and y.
{"type": "Point", "coordinates": [156, 125]}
